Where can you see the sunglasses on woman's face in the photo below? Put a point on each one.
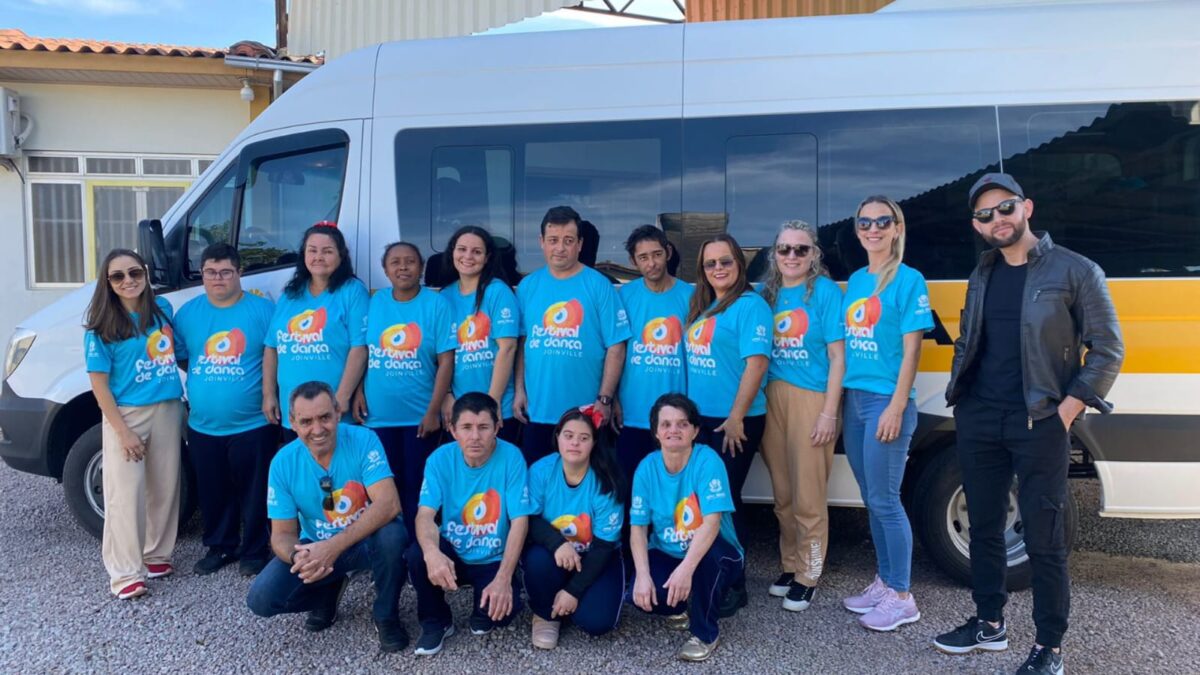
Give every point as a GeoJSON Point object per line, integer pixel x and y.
{"type": "Point", "coordinates": [134, 273]}
{"type": "Point", "coordinates": [881, 223]}
{"type": "Point", "coordinates": [718, 262]}
{"type": "Point", "coordinates": [1004, 208]}
{"type": "Point", "coordinates": [785, 250]}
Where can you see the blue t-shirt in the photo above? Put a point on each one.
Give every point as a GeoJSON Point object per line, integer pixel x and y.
{"type": "Point", "coordinates": [581, 513]}
{"type": "Point", "coordinates": [313, 336]}
{"type": "Point", "coordinates": [654, 357]}
{"type": "Point", "coordinates": [568, 325]}
{"type": "Point", "coordinates": [477, 503]}
{"type": "Point", "coordinates": [717, 348]}
{"type": "Point", "coordinates": [876, 324]}
{"type": "Point", "coordinates": [224, 383]}
{"type": "Point", "coordinates": [799, 355]}
{"type": "Point", "coordinates": [403, 343]}
{"type": "Point", "coordinates": [476, 334]}
{"type": "Point", "coordinates": [673, 506]}
{"type": "Point", "coordinates": [294, 482]}
{"type": "Point", "coordinates": [141, 369]}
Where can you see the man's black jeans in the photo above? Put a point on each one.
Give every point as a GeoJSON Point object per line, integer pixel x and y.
{"type": "Point", "coordinates": [993, 444]}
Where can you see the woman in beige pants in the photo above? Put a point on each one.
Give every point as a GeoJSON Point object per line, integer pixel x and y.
{"type": "Point", "coordinates": [129, 350]}
{"type": "Point", "coordinates": [804, 391]}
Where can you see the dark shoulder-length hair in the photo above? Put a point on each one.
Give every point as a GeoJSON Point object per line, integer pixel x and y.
{"type": "Point", "coordinates": [603, 460]}
{"type": "Point", "coordinates": [491, 265]}
{"type": "Point", "coordinates": [344, 272]}
{"type": "Point", "coordinates": [107, 317]}
{"type": "Point", "coordinates": [704, 295]}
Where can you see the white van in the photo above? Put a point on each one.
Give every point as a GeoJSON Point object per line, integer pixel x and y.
{"type": "Point", "coordinates": [735, 126]}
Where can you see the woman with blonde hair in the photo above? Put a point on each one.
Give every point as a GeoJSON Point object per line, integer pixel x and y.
{"type": "Point", "coordinates": [887, 313]}
{"type": "Point", "coordinates": [804, 395]}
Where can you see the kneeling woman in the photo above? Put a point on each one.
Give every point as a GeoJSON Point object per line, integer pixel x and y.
{"type": "Point", "coordinates": [572, 562]}
{"type": "Point", "coordinates": [682, 537]}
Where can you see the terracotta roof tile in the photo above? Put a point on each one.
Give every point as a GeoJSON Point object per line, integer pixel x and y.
{"type": "Point", "coordinates": [16, 40]}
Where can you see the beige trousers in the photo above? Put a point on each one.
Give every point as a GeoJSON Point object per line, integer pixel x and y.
{"type": "Point", "coordinates": [141, 499]}
{"type": "Point", "coordinates": [799, 478]}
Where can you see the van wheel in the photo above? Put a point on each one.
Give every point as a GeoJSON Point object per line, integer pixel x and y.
{"type": "Point", "coordinates": [83, 484]}
{"type": "Point", "coordinates": [940, 517]}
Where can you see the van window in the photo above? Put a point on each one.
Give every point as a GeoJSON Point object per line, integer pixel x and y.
{"type": "Point", "coordinates": [211, 220]}
{"type": "Point", "coordinates": [1117, 182]}
{"type": "Point", "coordinates": [769, 179]}
{"type": "Point", "coordinates": [471, 186]}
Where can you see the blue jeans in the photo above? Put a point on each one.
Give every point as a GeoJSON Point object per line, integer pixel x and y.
{"type": "Point", "coordinates": [277, 591]}
{"type": "Point", "coordinates": [879, 469]}
{"type": "Point", "coordinates": [599, 608]}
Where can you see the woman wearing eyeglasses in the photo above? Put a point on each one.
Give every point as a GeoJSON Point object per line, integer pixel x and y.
{"type": "Point", "coordinates": [804, 395]}
{"type": "Point", "coordinates": [129, 350]}
{"type": "Point", "coordinates": [728, 346]}
{"type": "Point", "coordinates": [318, 331]}
{"type": "Point", "coordinates": [887, 313]}
{"type": "Point", "coordinates": [410, 350]}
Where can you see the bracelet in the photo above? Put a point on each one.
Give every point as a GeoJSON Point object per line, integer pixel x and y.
{"type": "Point", "coordinates": [828, 417]}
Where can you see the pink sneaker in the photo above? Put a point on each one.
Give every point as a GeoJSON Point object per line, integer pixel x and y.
{"type": "Point", "coordinates": [864, 602]}
{"type": "Point", "coordinates": [891, 613]}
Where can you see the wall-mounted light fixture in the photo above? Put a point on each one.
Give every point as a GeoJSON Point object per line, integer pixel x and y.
{"type": "Point", "coordinates": [247, 93]}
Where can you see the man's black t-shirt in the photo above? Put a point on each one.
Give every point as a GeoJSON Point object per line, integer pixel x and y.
{"type": "Point", "coordinates": [998, 379]}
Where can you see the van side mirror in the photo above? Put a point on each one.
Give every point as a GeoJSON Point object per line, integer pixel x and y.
{"type": "Point", "coordinates": [154, 250]}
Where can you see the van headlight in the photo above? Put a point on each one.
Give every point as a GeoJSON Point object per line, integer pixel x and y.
{"type": "Point", "coordinates": [18, 347]}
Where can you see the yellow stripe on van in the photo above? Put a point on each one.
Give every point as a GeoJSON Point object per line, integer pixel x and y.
{"type": "Point", "coordinates": [1160, 321]}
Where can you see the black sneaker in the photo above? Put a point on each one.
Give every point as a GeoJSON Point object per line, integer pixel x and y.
{"type": "Point", "coordinates": [798, 597]}
{"type": "Point", "coordinates": [320, 619]}
{"type": "Point", "coordinates": [782, 585]}
{"type": "Point", "coordinates": [1042, 660]}
{"type": "Point", "coordinates": [480, 623]}
{"type": "Point", "coordinates": [972, 635]}
{"type": "Point", "coordinates": [250, 567]}
{"type": "Point", "coordinates": [432, 640]}
{"type": "Point", "coordinates": [733, 600]}
{"type": "Point", "coordinates": [392, 636]}
{"type": "Point", "coordinates": [213, 561]}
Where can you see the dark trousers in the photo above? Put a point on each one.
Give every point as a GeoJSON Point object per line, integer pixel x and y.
{"type": "Point", "coordinates": [277, 591]}
{"type": "Point", "coordinates": [994, 444]}
{"type": "Point", "coordinates": [406, 453]}
{"type": "Point", "coordinates": [511, 431]}
{"type": "Point", "coordinates": [231, 488]}
{"type": "Point", "coordinates": [738, 466]}
{"type": "Point", "coordinates": [287, 436]}
{"type": "Point", "coordinates": [719, 570]}
{"type": "Point", "coordinates": [632, 447]}
{"type": "Point", "coordinates": [537, 441]}
{"type": "Point", "coordinates": [432, 609]}
{"type": "Point", "coordinates": [599, 607]}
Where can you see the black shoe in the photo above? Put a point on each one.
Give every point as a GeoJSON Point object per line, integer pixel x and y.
{"type": "Point", "coordinates": [798, 597]}
{"type": "Point", "coordinates": [213, 561]}
{"type": "Point", "coordinates": [320, 619]}
{"type": "Point", "coordinates": [432, 640]}
{"type": "Point", "coordinates": [1042, 660]}
{"type": "Point", "coordinates": [733, 600]}
{"type": "Point", "coordinates": [972, 635]}
{"type": "Point", "coordinates": [392, 636]}
{"type": "Point", "coordinates": [250, 567]}
{"type": "Point", "coordinates": [480, 623]}
{"type": "Point", "coordinates": [782, 585]}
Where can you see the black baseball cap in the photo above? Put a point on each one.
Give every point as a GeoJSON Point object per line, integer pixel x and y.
{"type": "Point", "coordinates": [991, 181]}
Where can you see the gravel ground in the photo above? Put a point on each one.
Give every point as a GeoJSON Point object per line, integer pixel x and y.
{"type": "Point", "coordinates": [1136, 591]}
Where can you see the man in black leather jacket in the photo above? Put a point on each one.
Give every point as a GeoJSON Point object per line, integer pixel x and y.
{"type": "Point", "coordinates": [1039, 343]}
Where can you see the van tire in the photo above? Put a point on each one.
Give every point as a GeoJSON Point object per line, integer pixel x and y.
{"type": "Point", "coordinates": [939, 512]}
{"type": "Point", "coordinates": [85, 495]}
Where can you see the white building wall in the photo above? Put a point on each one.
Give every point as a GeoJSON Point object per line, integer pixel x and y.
{"type": "Point", "coordinates": [100, 119]}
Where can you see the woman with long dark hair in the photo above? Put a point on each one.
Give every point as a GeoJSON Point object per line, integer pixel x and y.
{"type": "Point", "coordinates": [729, 348]}
{"type": "Point", "coordinates": [486, 323]}
{"type": "Point", "coordinates": [130, 353]}
{"type": "Point", "coordinates": [318, 331]}
{"type": "Point", "coordinates": [572, 562]}
{"type": "Point", "coordinates": [410, 363]}
{"type": "Point", "coordinates": [887, 313]}
{"type": "Point", "coordinates": [804, 397]}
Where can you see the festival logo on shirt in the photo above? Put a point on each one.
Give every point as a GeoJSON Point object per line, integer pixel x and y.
{"type": "Point", "coordinates": [160, 350]}
{"type": "Point", "coordinates": [349, 503]}
{"type": "Point", "coordinates": [687, 520]}
{"type": "Point", "coordinates": [699, 344]}
{"type": "Point", "coordinates": [222, 357]}
{"type": "Point", "coordinates": [861, 317]}
{"type": "Point", "coordinates": [790, 327]}
{"type": "Point", "coordinates": [305, 333]}
{"type": "Point", "coordinates": [560, 328]}
{"type": "Point", "coordinates": [575, 529]}
{"type": "Point", "coordinates": [479, 522]}
{"type": "Point", "coordinates": [397, 348]}
{"type": "Point", "coordinates": [660, 342]}
{"type": "Point", "coordinates": [474, 331]}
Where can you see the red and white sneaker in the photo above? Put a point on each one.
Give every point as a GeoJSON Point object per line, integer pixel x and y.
{"type": "Point", "coordinates": [134, 590]}
{"type": "Point", "coordinates": [159, 570]}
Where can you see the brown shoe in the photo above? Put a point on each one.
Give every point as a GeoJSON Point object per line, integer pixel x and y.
{"type": "Point", "coordinates": [545, 633]}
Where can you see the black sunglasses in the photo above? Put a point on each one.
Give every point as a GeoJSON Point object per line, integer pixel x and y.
{"type": "Point", "coordinates": [135, 273]}
{"type": "Point", "coordinates": [1004, 208]}
{"type": "Point", "coordinates": [718, 262]}
{"type": "Point", "coordinates": [881, 223]}
{"type": "Point", "coordinates": [801, 250]}
{"type": "Point", "coordinates": [327, 488]}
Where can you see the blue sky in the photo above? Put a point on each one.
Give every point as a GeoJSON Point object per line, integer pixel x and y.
{"type": "Point", "coordinates": [216, 23]}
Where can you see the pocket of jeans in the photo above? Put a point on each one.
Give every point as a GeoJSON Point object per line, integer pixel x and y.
{"type": "Point", "coordinates": [1053, 512]}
